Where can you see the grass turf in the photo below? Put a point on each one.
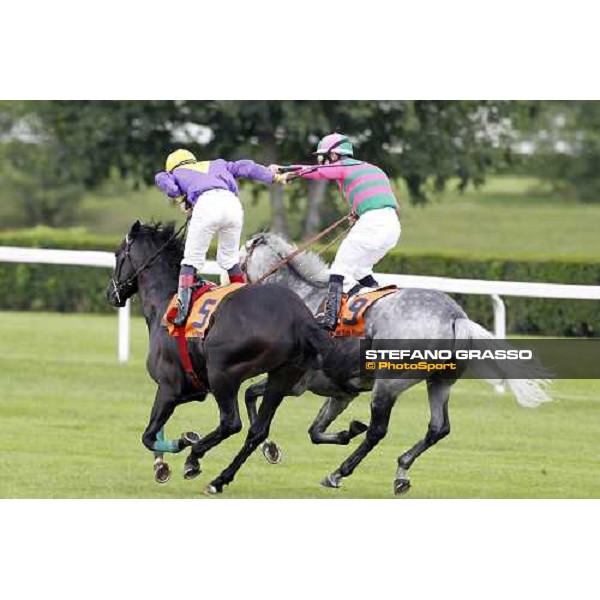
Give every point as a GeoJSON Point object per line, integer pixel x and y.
{"type": "Point", "coordinates": [72, 418]}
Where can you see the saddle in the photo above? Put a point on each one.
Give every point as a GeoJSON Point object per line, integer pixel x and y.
{"type": "Point", "coordinates": [351, 318]}
{"type": "Point", "coordinates": [205, 301]}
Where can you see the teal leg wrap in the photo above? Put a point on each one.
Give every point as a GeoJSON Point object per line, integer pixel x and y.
{"type": "Point", "coordinates": [166, 446]}
{"type": "Point", "coordinates": [160, 436]}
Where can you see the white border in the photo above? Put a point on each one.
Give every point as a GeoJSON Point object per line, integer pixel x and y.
{"type": "Point", "coordinates": [263, 49]}
{"type": "Point", "coordinates": [515, 49]}
{"type": "Point", "coordinates": [299, 549]}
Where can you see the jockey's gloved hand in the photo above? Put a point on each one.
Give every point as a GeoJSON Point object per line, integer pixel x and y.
{"type": "Point", "coordinates": [185, 209]}
{"type": "Point", "coordinates": [281, 179]}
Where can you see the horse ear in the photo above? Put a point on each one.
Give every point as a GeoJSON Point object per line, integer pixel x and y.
{"type": "Point", "coordinates": [135, 228]}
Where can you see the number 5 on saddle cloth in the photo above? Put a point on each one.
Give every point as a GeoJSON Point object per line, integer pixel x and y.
{"type": "Point", "coordinates": [204, 303]}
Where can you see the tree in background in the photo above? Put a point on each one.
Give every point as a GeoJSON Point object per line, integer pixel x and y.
{"type": "Point", "coordinates": [131, 137]}
{"type": "Point", "coordinates": [564, 141]}
{"type": "Point", "coordinates": [414, 140]}
{"type": "Point", "coordinates": [37, 182]}
{"type": "Point", "coordinates": [419, 141]}
{"type": "Point", "coordinates": [264, 130]}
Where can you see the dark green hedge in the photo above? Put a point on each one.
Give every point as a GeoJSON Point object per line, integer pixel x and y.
{"type": "Point", "coordinates": [56, 287]}
{"type": "Point", "coordinates": [64, 288]}
{"type": "Point", "coordinates": [524, 315]}
{"type": "Point", "coordinates": [53, 287]}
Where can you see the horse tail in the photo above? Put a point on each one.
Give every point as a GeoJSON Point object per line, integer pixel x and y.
{"type": "Point", "coordinates": [529, 392]}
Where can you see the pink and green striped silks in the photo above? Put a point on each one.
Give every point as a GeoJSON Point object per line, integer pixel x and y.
{"type": "Point", "coordinates": [364, 186]}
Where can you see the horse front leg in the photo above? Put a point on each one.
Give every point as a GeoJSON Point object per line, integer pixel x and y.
{"type": "Point", "coordinates": [162, 473]}
{"type": "Point", "coordinates": [224, 387]}
{"type": "Point", "coordinates": [332, 408]}
{"type": "Point", "coordinates": [271, 451]}
{"type": "Point", "coordinates": [153, 437]}
{"type": "Point", "coordinates": [385, 393]}
{"type": "Point", "coordinates": [279, 384]}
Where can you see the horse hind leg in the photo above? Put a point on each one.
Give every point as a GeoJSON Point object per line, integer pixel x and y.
{"type": "Point", "coordinates": [385, 394]}
{"type": "Point", "coordinates": [439, 427]}
{"type": "Point", "coordinates": [270, 450]}
{"type": "Point", "coordinates": [332, 408]}
{"type": "Point", "coordinates": [225, 389]}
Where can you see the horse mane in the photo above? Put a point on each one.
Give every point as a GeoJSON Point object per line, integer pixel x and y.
{"type": "Point", "coordinates": [159, 234]}
{"type": "Point", "coordinates": [308, 265]}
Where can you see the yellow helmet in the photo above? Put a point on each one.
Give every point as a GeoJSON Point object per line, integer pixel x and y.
{"type": "Point", "coordinates": [178, 158]}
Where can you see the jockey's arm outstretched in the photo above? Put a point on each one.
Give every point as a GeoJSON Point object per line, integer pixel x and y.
{"type": "Point", "coordinates": [370, 197]}
{"type": "Point", "coordinates": [209, 190]}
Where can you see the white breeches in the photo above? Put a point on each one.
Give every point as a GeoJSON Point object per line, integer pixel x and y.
{"type": "Point", "coordinates": [215, 212]}
{"type": "Point", "coordinates": [374, 234]}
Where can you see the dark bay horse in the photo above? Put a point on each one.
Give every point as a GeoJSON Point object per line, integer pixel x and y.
{"type": "Point", "coordinates": [405, 314]}
{"type": "Point", "coordinates": [255, 330]}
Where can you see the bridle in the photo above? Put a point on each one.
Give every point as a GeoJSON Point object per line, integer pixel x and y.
{"type": "Point", "coordinates": [127, 287]}
{"type": "Point", "coordinates": [254, 243]}
{"type": "Point", "coordinates": [123, 287]}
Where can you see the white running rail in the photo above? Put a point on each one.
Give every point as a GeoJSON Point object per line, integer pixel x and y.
{"type": "Point", "coordinates": [494, 289]}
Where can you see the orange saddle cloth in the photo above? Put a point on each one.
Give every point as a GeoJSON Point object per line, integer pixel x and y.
{"type": "Point", "coordinates": [203, 307]}
{"type": "Point", "coordinates": [351, 320]}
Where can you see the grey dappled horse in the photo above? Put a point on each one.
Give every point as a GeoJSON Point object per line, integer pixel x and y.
{"type": "Point", "coordinates": [406, 314]}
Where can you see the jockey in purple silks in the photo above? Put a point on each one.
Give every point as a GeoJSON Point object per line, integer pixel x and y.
{"type": "Point", "coordinates": [208, 189]}
{"type": "Point", "coordinates": [370, 197]}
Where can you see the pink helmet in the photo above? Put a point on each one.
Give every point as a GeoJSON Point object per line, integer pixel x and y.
{"type": "Point", "coordinates": [335, 142]}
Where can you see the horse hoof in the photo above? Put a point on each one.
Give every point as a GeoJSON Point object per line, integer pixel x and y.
{"type": "Point", "coordinates": [356, 428]}
{"type": "Point", "coordinates": [401, 486]}
{"type": "Point", "coordinates": [211, 490]}
{"type": "Point", "coordinates": [191, 471]}
{"type": "Point", "coordinates": [189, 438]}
{"type": "Point", "coordinates": [162, 473]}
{"type": "Point", "coordinates": [334, 480]}
{"type": "Point", "coordinates": [272, 452]}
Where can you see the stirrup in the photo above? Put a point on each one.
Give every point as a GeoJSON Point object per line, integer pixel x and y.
{"type": "Point", "coordinates": [180, 317]}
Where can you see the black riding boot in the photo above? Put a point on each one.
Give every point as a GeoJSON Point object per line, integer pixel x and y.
{"type": "Point", "coordinates": [187, 280]}
{"type": "Point", "coordinates": [369, 282]}
{"type": "Point", "coordinates": [328, 318]}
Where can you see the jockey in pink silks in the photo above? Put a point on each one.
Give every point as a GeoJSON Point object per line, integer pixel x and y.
{"type": "Point", "coordinates": [370, 197]}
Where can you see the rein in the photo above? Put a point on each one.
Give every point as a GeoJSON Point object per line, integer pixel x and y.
{"type": "Point", "coordinates": [296, 172]}
{"type": "Point", "coordinates": [286, 259]}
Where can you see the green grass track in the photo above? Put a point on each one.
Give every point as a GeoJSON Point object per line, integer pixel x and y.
{"type": "Point", "coordinates": [71, 419]}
